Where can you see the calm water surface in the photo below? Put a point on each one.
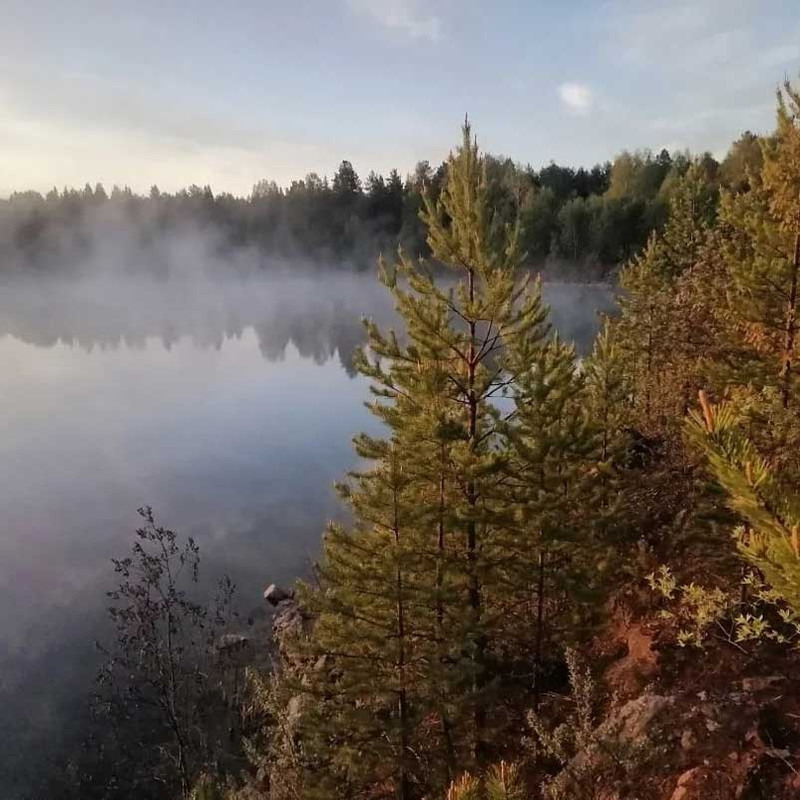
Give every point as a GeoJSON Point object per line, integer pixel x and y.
{"type": "Point", "coordinates": [226, 405]}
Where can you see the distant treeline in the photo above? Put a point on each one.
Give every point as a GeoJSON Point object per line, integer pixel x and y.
{"type": "Point", "coordinates": [577, 223]}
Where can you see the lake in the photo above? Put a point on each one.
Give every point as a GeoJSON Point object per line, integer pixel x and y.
{"type": "Point", "coordinates": [226, 404]}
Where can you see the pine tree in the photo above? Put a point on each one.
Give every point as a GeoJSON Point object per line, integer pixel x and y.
{"type": "Point", "coordinates": [659, 325]}
{"type": "Point", "coordinates": [770, 538]}
{"type": "Point", "coordinates": [608, 403]}
{"type": "Point", "coordinates": [645, 327]}
{"type": "Point", "coordinates": [502, 781]}
{"type": "Point", "coordinates": [365, 622]}
{"type": "Point", "coordinates": [425, 424]}
{"type": "Point", "coordinates": [608, 396]}
{"type": "Point", "coordinates": [664, 336]}
{"type": "Point", "coordinates": [488, 309]}
{"type": "Point", "coordinates": [436, 391]}
{"type": "Point", "coordinates": [553, 448]}
{"type": "Point", "coordinates": [762, 253]}
{"type": "Point", "coordinates": [692, 212]}
{"type": "Point", "coordinates": [466, 496]}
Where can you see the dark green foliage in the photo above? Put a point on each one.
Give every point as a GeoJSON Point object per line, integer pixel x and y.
{"type": "Point", "coordinates": [470, 532]}
{"type": "Point", "coordinates": [592, 218]}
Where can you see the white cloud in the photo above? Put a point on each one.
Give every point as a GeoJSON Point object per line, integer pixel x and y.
{"type": "Point", "coordinates": [409, 17]}
{"type": "Point", "coordinates": [698, 72]}
{"type": "Point", "coordinates": [577, 97]}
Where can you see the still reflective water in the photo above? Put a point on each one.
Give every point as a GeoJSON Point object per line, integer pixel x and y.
{"type": "Point", "coordinates": [226, 405]}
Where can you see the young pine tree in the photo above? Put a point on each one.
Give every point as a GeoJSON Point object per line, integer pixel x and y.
{"type": "Point", "coordinates": [552, 451]}
{"type": "Point", "coordinates": [608, 403]}
{"type": "Point", "coordinates": [664, 339]}
{"type": "Point", "coordinates": [608, 398]}
{"type": "Point", "coordinates": [502, 781]}
{"type": "Point", "coordinates": [435, 390]}
{"type": "Point", "coordinates": [488, 308]}
{"type": "Point", "coordinates": [360, 730]}
{"type": "Point", "coordinates": [659, 325]}
{"type": "Point", "coordinates": [645, 327]}
{"type": "Point", "coordinates": [762, 254]}
{"type": "Point", "coordinates": [770, 537]}
{"type": "Point", "coordinates": [692, 213]}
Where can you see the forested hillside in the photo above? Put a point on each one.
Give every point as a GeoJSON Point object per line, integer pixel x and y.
{"type": "Point", "coordinates": [576, 223]}
{"type": "Point", "coordinates": [562, 579]}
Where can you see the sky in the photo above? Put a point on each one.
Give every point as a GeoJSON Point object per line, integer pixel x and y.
{"type": "Point", "coordinates": [176, 92]}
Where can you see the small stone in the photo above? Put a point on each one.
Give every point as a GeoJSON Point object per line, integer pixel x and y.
{"type": "Point", "coordinates": [761, 683]}
{"type": "Point", "coordinates": [294, 709]}
{"type": "Point", "coordinates": [752, 736]}
{"type": "Point", "coordinates": [321, 664]}
{"type": "Point", "coordinates": [780, 753]}
{"type": "Point", "coordinates": [712, 726]}
{"type": "Point", "coordinates": [708, 710]}
{"type": "Point", "coordinates": [232, 643]}
{"type": "Point", "coordinates": [688, 739]}
{"type": "Point", "coordinates": [687, 776]}
{"type": "Point", "coordinates": [274, 594]}
{"type": "Point", "coordinates": [702, 695]}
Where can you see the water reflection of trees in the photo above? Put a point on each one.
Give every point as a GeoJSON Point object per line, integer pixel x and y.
{"type": "Point", "coordinates": [320, 317]}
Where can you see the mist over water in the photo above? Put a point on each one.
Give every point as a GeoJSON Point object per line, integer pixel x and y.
{"type": "Point", "coordinates": [226, 403]}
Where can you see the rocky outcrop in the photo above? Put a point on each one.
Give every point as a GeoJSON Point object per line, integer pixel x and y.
{"type": "Point", "coordinates": [634, 721]}
{"type": "Point", "coordinates": [740, 742]}
{"type": "Point", "coordinates": [234, 650]}
{"type": "Point", "coordinates": [290, 627]}
{"type": "Point", "coordinates": [620, 745]}
{"type": "Point", "coordinates": [274, 595]}
{"type": "Point", "coordinates": [637, 663]}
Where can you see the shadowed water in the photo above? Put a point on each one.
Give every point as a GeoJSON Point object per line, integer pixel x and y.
{"type": "Point", "coordinates": [226, 405]}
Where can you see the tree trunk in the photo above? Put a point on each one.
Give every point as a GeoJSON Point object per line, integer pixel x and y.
{"type": "Point", "coordinates": [791, 327]}
{"type": "Point", "coordinates": [404, 785]}
{"type": "Point", "coordinates": [537, 648]}
{"type": "Point", "coordinates": [447, 733]}
{"type": "Point", "coordinates": [648, 375]}
{"type": "Point", "coordinates": [171, 701]}
{"type": "Point", "coordinates": [479, 713]}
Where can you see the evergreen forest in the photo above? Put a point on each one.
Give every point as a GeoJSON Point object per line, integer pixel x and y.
{"type": "Point", "coordinates": [561, 577]}
{"type": "Point", "coordinates": [575, 223]}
